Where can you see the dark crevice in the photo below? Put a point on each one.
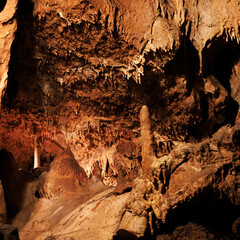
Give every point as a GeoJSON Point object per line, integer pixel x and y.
{"type": "Point", "coordinates": [115, 30]}
{"type": "Point", "coordinates": [124, 235]}
{"type": "Point", "coordinates": [12, 182]}
{"type": "Point", "coordinates": [2, 5]}
{"type": "Point", "coordinates": [22, 65]}
{"type": "Point", "coordinates": [218, 61]}
{"type": "Point", "coordinates": [37, 194]}
{"type": "Point", "coordinates": [186, 61]}
{"type": "Point", "coordinates": [107, 167]}
{"type": "Point", "coordinates": [204, 106]}
{"type": "Point", "coordinates": [207, 210]}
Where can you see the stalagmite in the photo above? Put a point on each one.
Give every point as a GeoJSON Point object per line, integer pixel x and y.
{"type": "Point", "coordinates": [147, 141]}
{"type": "Point", "coordinates": [36, 155]}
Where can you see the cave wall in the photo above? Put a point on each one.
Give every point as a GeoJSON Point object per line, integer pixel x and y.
{"type": "Point", "coordinates": [112, 60]}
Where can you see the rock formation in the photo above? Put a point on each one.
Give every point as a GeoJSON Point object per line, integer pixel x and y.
{"type": "Point", "coordinates": [8, 26]}
{"type": "Point", "coordinates": [64, 176]}
{"type": "Point", "coordinates": [120, 119]}
{"type": "Point", "coordinates": [8, 232]}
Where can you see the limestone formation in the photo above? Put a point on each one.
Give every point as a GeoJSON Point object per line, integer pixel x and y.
{"type": "Point", "coordinates": [8, 26]}
{"type": "Point", "coordinates": [147, 142]}
{"type": "Point", "coordinates": [64, 176]}
{"type": "Point", "coordinates": [134, 224]}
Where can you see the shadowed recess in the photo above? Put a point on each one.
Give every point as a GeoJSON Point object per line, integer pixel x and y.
{"type": "Point", "coordinates": [11, 182]}
{"type": "Point", "coordinates": [207, 210]}
{"type": "Point", "coordinates": [22, 71]}
{"type": "Point", "coordinates": [218, 60]}
{"type": "Point", "coordinates": [2, 4]}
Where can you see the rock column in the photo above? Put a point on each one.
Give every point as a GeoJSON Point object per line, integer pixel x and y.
{"type": "Point", "coordinates": [147, 142]}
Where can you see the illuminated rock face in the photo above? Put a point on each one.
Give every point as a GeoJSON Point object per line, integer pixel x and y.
{"type": "Point", "coordinates": [145, 94]}
{"type": "Point", "coordinates": [8, 26]}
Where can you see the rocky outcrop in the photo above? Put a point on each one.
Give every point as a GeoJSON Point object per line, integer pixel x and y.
{"type": "Point", "coordinates": [94, 211]}
{"type": "Point", "coordinates": [64, 176]}
{"type": "Point", "coordinates": [186, 173]}
{"type": "Point", "coordinates": [8, 26]}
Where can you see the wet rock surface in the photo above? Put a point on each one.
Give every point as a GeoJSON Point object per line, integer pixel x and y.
{"type": "Point", "coordinates": [120, 119]}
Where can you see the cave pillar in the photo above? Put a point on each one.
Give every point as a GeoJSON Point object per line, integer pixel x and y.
{"type": "Point", "coordinates": [8, 26]}
{"type": "Point", "coordinates": [146, 142]}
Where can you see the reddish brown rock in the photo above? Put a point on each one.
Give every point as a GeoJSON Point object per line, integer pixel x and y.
{"type": "Point", "coordinates": [79, 74]}
{"type": "Point", "coordinates": [8, 232]}
{"type": "Point", "coordinates": [3, 210]}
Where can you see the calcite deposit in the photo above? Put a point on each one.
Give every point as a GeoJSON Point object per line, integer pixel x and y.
{"type": "Point", "coordinates": [120, 119]}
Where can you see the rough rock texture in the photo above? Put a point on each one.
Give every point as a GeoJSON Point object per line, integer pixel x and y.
{"type": "Point", "coordinates": [8, 232]}
{"type": "Point", "coordinates": [145, 94]}
{"type": "Point", "coordinates": [94, 212]}
{"type": "Point", "coordinates": [8, 26]}
{"type": "Point", "coordinates": [3, 210]}
{"type": "Point", "coordinates": [188, 173]}
{"type": "Point", "coordinates": [64, 176]}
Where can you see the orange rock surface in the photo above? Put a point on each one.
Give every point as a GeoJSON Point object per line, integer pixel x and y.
{"type": "Point", "coordinates": [131, 109]}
